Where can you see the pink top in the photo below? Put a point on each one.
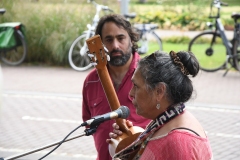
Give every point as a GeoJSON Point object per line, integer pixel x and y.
{"type": "Point", "coordinates": [178, 144]}
{"type": "Point", "coordinates": [95, 103]}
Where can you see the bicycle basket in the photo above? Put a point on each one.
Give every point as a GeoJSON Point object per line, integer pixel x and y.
{"type": "Point", "coordinates": [7, 35]}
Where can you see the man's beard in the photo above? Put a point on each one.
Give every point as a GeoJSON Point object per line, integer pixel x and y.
{"type": "Point", "coordinates": [120, 60]}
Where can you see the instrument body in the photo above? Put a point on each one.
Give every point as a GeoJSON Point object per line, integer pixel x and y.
{"type": "Point", "coordinates": [99, 57]}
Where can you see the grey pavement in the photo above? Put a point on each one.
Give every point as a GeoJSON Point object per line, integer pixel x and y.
{"type": "Point", "coordinates": [40, 105]}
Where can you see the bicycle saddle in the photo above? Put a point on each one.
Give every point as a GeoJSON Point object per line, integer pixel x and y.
{"type": "Point", "coordinates": [130, 15]}
{"type": "Point", "coordinates": [235, 15]}
{"type": "Point", "coordinates": [2, 10]}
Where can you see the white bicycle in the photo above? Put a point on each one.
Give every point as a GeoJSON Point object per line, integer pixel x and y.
{"type": "Point", "coordinates": [77, 56]}
{"type": "Point", "coordinates": [148, 43]}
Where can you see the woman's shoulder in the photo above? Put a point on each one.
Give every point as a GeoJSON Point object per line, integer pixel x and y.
{"type": "Point", "coordinates": [180, 135]}
{"type": "Point", "coordinates": [185, 122]}
{"type": "Point", "coordinates": [182, 144]}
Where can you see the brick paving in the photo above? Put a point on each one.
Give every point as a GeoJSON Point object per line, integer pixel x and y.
{"type": "Point", "coordinates": [41, 105]}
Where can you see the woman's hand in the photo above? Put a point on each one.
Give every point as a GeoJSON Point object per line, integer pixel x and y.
{"type": "Point", "coordinates": [116, 132]}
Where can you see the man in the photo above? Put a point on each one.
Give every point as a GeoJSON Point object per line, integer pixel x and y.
{"type": "Point", "coordinates": [120, 39]}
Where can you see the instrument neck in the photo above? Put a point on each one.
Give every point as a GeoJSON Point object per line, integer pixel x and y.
{"type": "Point", "coordinates": [112, 97]}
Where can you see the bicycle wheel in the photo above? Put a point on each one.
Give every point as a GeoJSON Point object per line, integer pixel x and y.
{"type": "Point", "coordinates": [16, 55]}
{"type": "Point", "coordinates": [149, 43]}
{"type": "Point", "coordinates": [77, 56]}
{"type": "Point", "coordinates": [211, 57]}
{"type": "Point", "coordinates": [236, 54]}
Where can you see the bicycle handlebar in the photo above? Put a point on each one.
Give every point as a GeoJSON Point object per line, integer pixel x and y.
{"type": "Point", "coordinates": [217, 4]}
{"type": "Point", "coordinates": [104, 8]}
{"type": "Point", "coordinates": [224, 4]}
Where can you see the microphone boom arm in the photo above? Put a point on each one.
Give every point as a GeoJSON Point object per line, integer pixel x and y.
{"type": "Point", "coordinates": [87, 132]}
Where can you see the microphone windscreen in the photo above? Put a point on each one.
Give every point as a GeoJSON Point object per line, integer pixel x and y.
{"type": "Point", "coordinates": [125, 112]}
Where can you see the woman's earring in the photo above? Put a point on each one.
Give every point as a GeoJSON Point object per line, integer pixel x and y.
{"type": "Point", "coordinates": [158, 106]}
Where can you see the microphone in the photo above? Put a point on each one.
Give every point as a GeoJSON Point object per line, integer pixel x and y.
{"type": "Point", "coordinates": [121, 112]}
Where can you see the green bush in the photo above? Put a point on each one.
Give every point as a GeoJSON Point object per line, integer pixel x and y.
{"type": "Point", "coordinates": [184, 19]}
{"type": "Point", "coordinates": [177, 39]}
{"type": "Point", "coordinates": [52, 25]}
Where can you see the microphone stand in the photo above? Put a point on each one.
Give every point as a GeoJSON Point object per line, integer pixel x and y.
{"type": "Point", "coordinates": [87, 132]}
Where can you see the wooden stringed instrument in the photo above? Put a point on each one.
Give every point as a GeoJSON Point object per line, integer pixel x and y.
{"type": "Point", "coordinates": [96, 48]}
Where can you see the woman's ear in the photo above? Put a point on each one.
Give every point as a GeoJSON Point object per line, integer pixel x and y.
{"type": "Point", "coordinates": [160, 90]}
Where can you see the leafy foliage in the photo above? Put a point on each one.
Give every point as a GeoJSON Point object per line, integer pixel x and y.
{"type": "Point", "coordinates": [52, 25]}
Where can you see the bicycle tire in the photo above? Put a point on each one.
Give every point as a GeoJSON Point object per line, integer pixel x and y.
{"type": "Point", "coordinates": [211, 58]}
{"type": "Point", "coordinates": [17, 54]}
{"type": "Point", "coordinates": [153, 41]}
{"type": "Point", "coordinates": [236, 54]}
{"type": "Point", "coordinates": [77, 61]}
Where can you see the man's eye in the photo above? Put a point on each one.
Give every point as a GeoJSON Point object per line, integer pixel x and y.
{"type": "Point", "coordinates": [108, 40]}
{"type": "Point", "coordinates": [120, 39]}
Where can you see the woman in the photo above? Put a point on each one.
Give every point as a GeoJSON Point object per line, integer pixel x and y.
{"type": "Point", "coordinates": [161, 87]}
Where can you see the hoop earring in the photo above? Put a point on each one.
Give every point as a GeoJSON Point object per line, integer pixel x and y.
{"type": "Point", "coordinates": [158, 106]}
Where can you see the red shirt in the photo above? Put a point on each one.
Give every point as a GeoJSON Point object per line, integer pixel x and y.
{"type": "Point", "coordinates": [180, 145]}
{"type": "Point", "coordinates": [95, 103]}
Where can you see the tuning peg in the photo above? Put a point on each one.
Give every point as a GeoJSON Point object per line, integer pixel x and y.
{"type": "Point", "coordinates": [108, 57]}
{"type": "Point", "coordinates": [94, 63]}
{"type": "Point", "coordinates": [90, 55]}
{"type": "Point", "coordinates": [105, 49]}
{"type": "Point", "coordinates": [92, 59]}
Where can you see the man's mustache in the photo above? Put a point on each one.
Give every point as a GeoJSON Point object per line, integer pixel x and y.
{"type": "Point", "coordinates": [116, 51]}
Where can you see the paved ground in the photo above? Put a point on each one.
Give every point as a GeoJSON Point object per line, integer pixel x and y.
{"type": "Point", "coordinates": [41, 105]}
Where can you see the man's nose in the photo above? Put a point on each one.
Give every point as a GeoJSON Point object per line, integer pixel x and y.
{"type": "Point", "coordinates": [115, 44]}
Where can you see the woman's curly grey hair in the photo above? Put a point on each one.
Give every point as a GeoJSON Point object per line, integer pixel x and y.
{"type": "Point", "coordinates": [171, 70]}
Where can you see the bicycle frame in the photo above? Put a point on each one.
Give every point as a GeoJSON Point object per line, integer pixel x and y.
{"type": "Point", "coordinates": [144, 29]}
{"type": "Point", "coordinates": [89, 33]}
{"type": "Point", "coordinates": [221, 31]}
{"type": "Point", "coordinates": [91, 27]}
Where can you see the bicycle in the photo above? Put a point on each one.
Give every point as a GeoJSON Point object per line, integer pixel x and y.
{"type": "Point", "coordinates": [212, 48]}
{"type": "Point", "coordinates": [149, 40]}
{"type": "Point", "coordinates": [77, 56]}
{"type": "Point", "coordinates": [13, 46]}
